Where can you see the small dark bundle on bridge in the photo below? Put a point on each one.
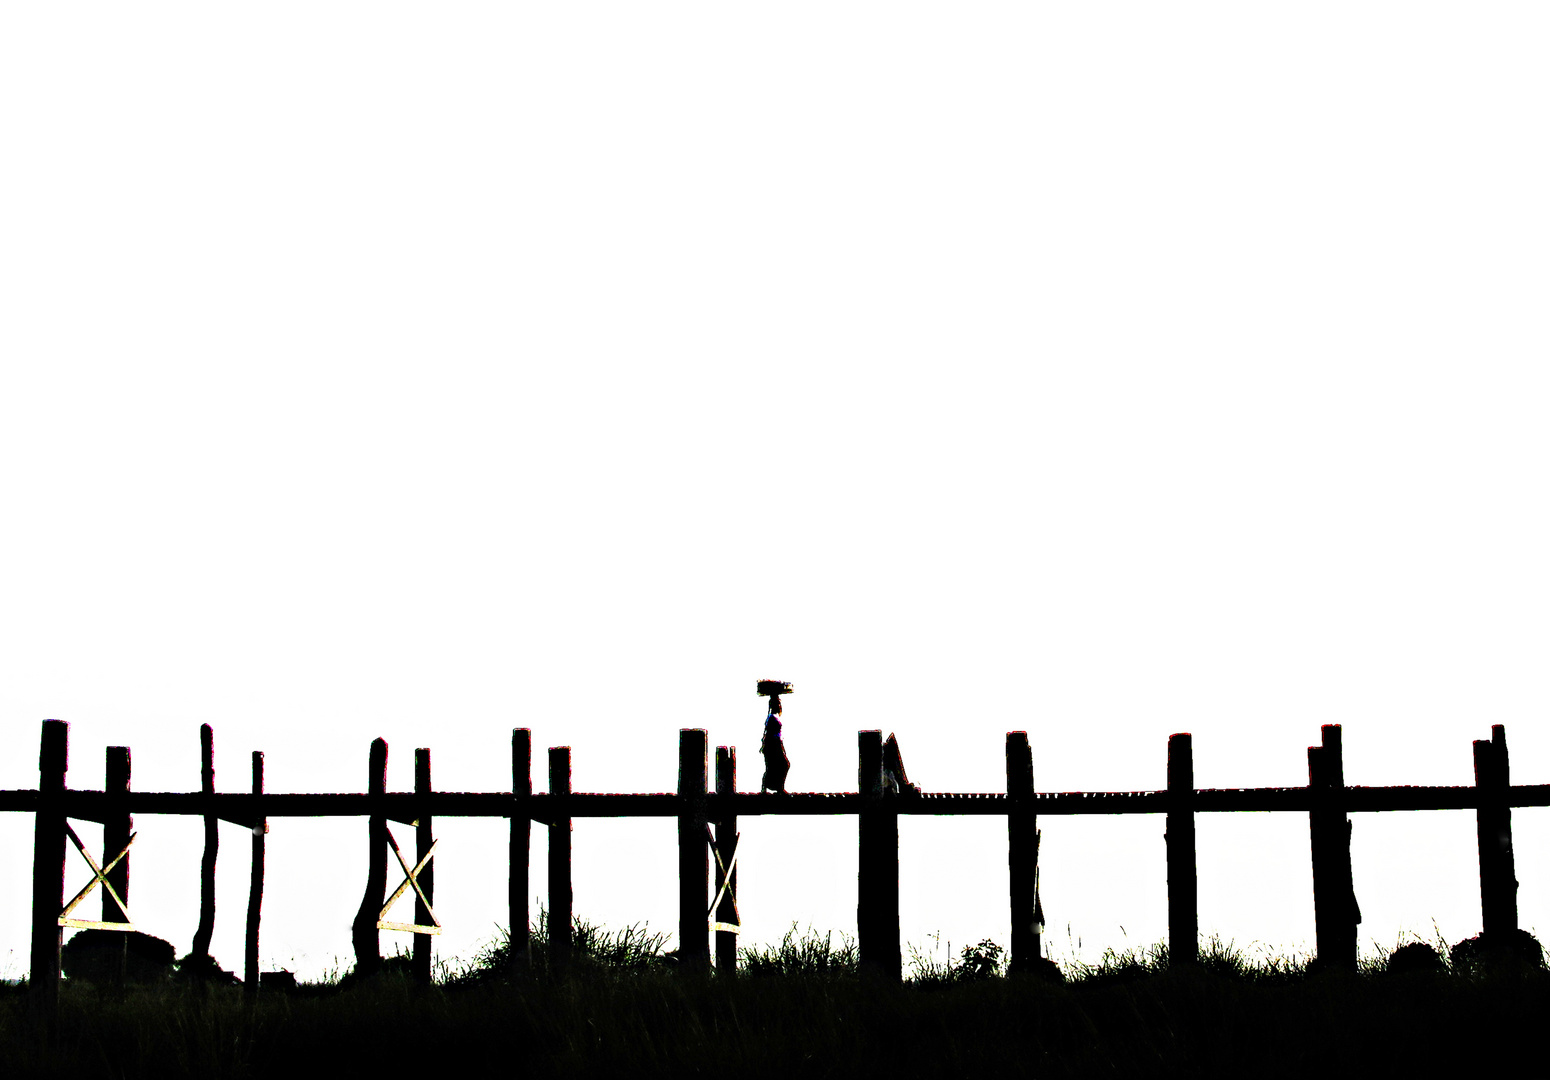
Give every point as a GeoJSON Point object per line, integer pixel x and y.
{"type": "Point", "coordinates": [894, 776]}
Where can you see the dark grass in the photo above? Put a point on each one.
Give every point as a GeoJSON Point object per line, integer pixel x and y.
{"type": "Point", "coordinates": [800, 1008]}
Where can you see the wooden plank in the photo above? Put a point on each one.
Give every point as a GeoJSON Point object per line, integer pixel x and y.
{"type": "Point", "coordinates": [99, 875]}
{"type": "Point", "coordinates": [1022, 856]}
{"type": "Point", "coordinates": [560, 896]}
{"type": "Point", "coordinates": [48, 871]}
{"type": "Point", "coordinates": [411, 881]}
{"type": "Point", "coordinates": [364, 933]}
{"type": "Point", "coordinates": [420, 966]}
{"type": "Point", "coordinates": [1183, 916]}
{"type": "Point", "coordinates": [542, 808]}
{"type": "Point", "coordinates": [206, 928]}
{"type": "Point", "coordinates": [243, 808]}
{"type": "Point", "coordinates": [693, 859]}
{"type": "Point", "coordinates": [728, 917]}
{"type": "Point", "coordinates": [250, 972]}
{"type": "Point", "coordinates": [93, 924]}
{"type": "Point", "coordinates": [518, 915]}
{"type": "Point", "coordinates": [418, 929]}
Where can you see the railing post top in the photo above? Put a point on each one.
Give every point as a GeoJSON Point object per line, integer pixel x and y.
{"type": "Point", "coordinates": [1490, 763]}
{"type": "Point", "coordinates": [1316, 774]}
{"type": "Point", "coordinates": [869, 771]}
{"type": "Point", "coordinates": [54, 746]}
{"type": "Point", "coordinates": [559, 770]}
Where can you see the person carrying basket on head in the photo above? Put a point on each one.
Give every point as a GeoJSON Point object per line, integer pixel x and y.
{"type": "Point", "coordinates": [776, 764]}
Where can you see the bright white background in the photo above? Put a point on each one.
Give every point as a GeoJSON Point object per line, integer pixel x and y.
{"type": "Point", "coordinates": [1101, 370]}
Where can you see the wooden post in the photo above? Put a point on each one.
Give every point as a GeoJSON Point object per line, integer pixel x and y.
{"type": "Point", "coordinates": [1335, 913]}
{"type": "Point", "coordinates": [877, 880]}
{"type": "Point", "coordinates": [1493, 828]}
{"type": "Point", "coordinates": [116, 830]}
{"type": "Point", "coordinates": [201, 945]}
{"type": "Point", "coordinates": [255, 885]}
{"type": "Point", "coordinates": [1509, 868]}
{"type": "Point", "coordinates": [48, 870]}
{"type": "Point", "coordinates": [693, 853]}
{"type": "Point", "coordinates": [1183, 916]}
{"type": "Point", "coordinates": [420, 966]}
{"type": "Point", "coordinates": [1022, 853]}
{"type": "Point", "coordinates": [726, 844]}
{"type": "Point", "coordinates": [368, 948]}
{"type": "Point", "coordinates": [559, 866]}
{"type": "Point", "coordinates": [518, 951]}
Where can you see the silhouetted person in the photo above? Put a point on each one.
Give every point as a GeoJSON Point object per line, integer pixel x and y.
{"type": "Point", "coordinates": [776, 764]}
{"type": "Point", "coordinates": [893, 769]}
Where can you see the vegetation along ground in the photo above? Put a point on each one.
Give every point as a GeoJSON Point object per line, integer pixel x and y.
{"type": "Point", "coordinates": [801, 1009]}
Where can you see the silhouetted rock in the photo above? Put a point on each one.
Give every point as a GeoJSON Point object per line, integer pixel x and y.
{"type": "Point", "coordinates": [390, 967]}
{"type": "Point", "coordinates": [102, 955]}
{"type": "Point", "coordinates": [1046, 969]}
{"type": "Point", "coordinates": [277, 980]}
{"type": "Point", "coordinates": [1518, 949]}
{"type": "Point", "coordinates": [204, 969]}
{"type": "Point", "coordinates": [1416, 958]}
{"type": "Point", "coordinates": [1324, 967]}
{"type": "Point", "coordinates": [1128, 972]}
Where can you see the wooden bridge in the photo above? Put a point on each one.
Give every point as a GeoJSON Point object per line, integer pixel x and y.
{"type": "Point", "coordinates": [707, 826]}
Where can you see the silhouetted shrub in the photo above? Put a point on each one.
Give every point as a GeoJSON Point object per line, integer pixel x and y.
{"type": "Point", "coordinates": [204, 969]}
{"type": "Point", "coordinates": [101, 955]}
{"type": "Point", "coordinates": [1518, 949]}
{"type": "Point", "coordinates": [277, 980]}
{"type": "Point", "coordinates": [1415, 958]}
{"type": "Point", "coordinates": [1046, 969]}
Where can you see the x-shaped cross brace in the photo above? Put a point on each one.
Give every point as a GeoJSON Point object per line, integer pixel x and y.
{"type": "Point", "coordinates": [726, 885]}
{"type": "Point", "coordinates": [99, 874]}
{"type": "Point", "coordinates": [411, 877]}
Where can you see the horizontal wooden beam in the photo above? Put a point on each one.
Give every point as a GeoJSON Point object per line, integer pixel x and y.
{"type": "Point", "coordinates": [244, 808]}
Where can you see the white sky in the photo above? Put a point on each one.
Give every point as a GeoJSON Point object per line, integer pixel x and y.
{"type": "Point", "coordinates": [1100, 370]}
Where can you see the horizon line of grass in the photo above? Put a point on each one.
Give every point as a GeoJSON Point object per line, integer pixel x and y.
{"type": "Point", "coordinates": [622, 1008]}
{"type": "Point", "coordinates": [810, 954]}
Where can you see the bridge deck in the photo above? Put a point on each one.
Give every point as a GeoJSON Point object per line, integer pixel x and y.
{"type": "Point", "coordinates": [405, 806]}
